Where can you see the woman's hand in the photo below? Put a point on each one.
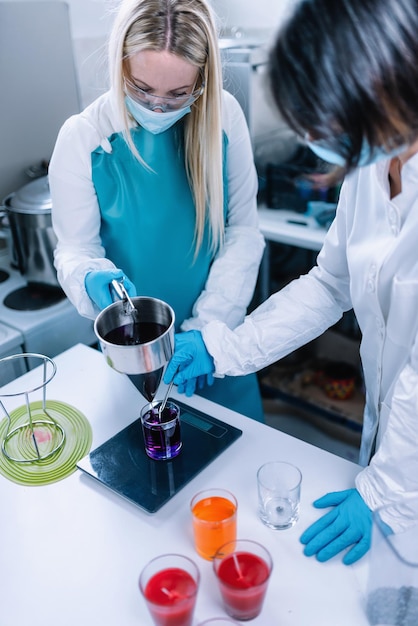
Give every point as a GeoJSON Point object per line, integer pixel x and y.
{"type": "Point", "coordinates": [98, 286]}
{"type": "Point", "coordinates": [348, 524]}
{"type": "Point", "coordinates": [195, 383]}
{"type": "Point", "coordinates": [191, 364]}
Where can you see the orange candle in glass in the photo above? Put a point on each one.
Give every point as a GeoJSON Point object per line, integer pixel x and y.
{"type": "Point", "coordinates": [214, 513]}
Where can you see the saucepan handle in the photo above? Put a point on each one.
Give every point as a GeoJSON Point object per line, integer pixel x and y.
{"type": "Point", "coordinates": [121, 292]}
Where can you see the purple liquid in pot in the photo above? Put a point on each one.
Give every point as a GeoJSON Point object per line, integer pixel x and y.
{"type": "Point", "coordinates": [162, 438]}
{"type": "Point", "coordinates": [135, 333]}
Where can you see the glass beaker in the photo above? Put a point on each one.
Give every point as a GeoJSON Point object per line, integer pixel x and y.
{"type": "Point", "coordinates": [392, 591]}
{"type": "Point", "coordinates": [162, 432]}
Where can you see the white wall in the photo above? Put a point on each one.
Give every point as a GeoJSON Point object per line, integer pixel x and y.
{"type": "Point", "coordinates": [251, 13]}
{"type": "Point", "coordinates": [91, 18]}
{"type": "Point", "coordinates": [91, 21]}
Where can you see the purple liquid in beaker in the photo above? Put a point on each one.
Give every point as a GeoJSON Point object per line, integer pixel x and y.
{"type": "Point", "coordinates": [162, 436]}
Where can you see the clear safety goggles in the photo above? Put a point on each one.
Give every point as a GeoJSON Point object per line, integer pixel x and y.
{"type": "Point", "coordinates": [153, 102]}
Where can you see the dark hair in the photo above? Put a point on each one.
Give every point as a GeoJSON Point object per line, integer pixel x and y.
{"type": "Point", "coordinates": [347, 70]}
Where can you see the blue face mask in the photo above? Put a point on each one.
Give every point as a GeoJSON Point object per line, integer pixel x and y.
{"type": "Point", "coordinates": [367, 155]}
{"type": "Point", "coordinates": [152, 121]}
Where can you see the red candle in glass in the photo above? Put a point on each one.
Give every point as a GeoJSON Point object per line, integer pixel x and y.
{"type": "Point", "coordinates": [170, 592]}
{"type": "Point", "coordinates": [243, 569]}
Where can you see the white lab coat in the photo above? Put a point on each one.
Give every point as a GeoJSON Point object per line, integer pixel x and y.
{"type": "Point", "coordinates": [369, 262]}
{"type": "Point", "coordinates": [76, 214]}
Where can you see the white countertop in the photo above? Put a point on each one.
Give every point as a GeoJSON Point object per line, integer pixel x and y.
{"type": "Point", "coordinates": [289, 227]}
{"type": "Point", "coordinates": [72, 551]}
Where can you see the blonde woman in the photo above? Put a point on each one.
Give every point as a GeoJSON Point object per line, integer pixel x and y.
{"type": "Point", "coordinates": [155, 182]}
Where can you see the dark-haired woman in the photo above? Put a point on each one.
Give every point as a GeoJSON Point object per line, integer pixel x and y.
{"type": "Point", "coordinates": [344, 76]}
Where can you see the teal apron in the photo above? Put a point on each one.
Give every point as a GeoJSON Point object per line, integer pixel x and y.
{"type": "Point", "coordinates": [147, 229]}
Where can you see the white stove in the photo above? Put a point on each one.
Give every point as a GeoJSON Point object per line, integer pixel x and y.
{"type": "Point", "coordinates": [49, 330]}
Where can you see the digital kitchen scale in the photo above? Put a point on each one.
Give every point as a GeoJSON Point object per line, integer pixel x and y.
{"type": "Point", "coordinates": [123, 466]}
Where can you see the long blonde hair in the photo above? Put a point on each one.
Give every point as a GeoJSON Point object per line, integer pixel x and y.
{"type": "Point", "coordinates": [186, 28]}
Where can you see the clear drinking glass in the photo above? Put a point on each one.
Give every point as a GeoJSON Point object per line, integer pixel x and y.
{"type": "Point", "coordinates": [279, 494]}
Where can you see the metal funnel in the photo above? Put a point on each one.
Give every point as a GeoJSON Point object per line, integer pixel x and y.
{"type": "Point", "coordinates": [141, 345]}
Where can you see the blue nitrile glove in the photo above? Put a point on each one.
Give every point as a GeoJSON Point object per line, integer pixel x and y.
{"type": "Point", "coordinates": [190, 363]}
{"type": "Point", "coordinates": [350, 522]}
{"type": "Point", "coordinates": [189, 387]}
{"type": "Point", "coordinates": [98, 286]}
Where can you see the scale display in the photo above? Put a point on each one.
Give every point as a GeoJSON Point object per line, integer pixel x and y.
{"type": "Point", "coordinates": [122, 464]}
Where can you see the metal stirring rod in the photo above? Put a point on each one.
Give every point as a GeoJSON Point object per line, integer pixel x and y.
{"type": "Point", "coordinates": [164, 402]}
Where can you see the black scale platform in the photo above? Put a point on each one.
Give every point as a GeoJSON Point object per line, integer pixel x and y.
{"type": "Point", "coordinates": [122, 465]}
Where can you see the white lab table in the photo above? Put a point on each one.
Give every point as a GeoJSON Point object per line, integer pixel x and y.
{"type": "Point", "coordinates": [290, 228]}
{"type": "Point", "coordinates": [72, 551]}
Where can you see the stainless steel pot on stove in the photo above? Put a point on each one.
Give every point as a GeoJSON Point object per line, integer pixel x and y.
{"type": "Point", "coordinates": [28, 211]}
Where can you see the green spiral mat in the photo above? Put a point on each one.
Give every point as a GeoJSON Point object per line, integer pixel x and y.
{"type": "Point", "coordinates": [78, 439]}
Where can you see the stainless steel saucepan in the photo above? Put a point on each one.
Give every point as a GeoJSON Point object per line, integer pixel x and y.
{"type": "Point", "coordinates": [139, 345]}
